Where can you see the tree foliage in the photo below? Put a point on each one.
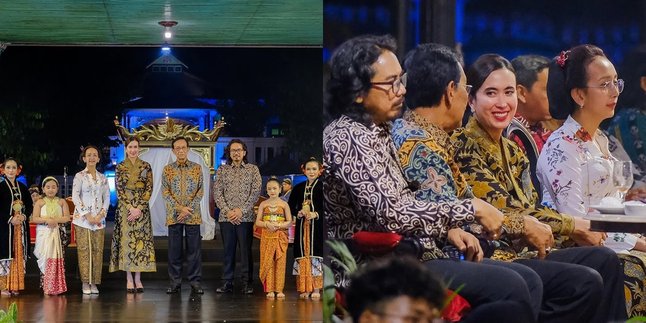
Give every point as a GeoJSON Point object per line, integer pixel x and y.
{"type": "Point", "coordinates": [22, 135]}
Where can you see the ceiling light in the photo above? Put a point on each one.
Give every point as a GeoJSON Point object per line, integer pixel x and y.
{"type": "Point", "coordinates": [167, 24]}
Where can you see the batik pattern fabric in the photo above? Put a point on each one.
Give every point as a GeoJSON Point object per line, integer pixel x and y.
{"type": "Point", "coordinates": [183, 185]}
{"type": "Point", "coordinates": [540, 134]}
{"type": "Point", "coordinates": [308, 236]}
{"type": "Point", "coordinates": [237, 186]}
{"type": "Point", "coordinates": [14, 239]}
{"type": "Point", "coordinates": [16, 278]}
{"type": "Point", "coordinates": [273, 250]}
{"type": "Point", "coordinates": [89, 246]}
{"type": "Point", "coordinates": [365, 190]}
{"type": "Point", "coordinates": [629, 126]}
{"type": "Point", "coordinates": [132, 241]}
{"type": "Point", "coordinates": [426, 156]}
{"type": "Point", "coordinates": [49, 249]}
{"type": "Point", "coordinates": [499, 173]}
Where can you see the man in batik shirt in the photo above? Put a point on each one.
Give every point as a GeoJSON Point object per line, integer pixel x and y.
{"type": "Point", "coordinates": [365, 190]}
{"type": "Point", "coordinates": [182, 190]}
{"type": "Point", "coordinates": [237, 188]}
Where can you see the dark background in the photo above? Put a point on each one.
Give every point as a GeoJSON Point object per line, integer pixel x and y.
{"type": "Point", "coordinates": [55, 99]}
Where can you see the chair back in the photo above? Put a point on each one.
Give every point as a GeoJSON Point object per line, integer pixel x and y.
{"type": "Point", "coordinates": [531, 150]}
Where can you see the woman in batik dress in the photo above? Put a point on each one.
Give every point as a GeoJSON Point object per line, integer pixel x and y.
{"type": "Point", "coordinates": [132, 242]}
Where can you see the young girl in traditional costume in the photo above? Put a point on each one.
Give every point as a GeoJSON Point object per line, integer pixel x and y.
{"type": "Point", "coordinates": [274, 218]}
{"type": "Point", "coordinates": [49, 212]}
{"type": "Point", "coordinates": [306, 201]}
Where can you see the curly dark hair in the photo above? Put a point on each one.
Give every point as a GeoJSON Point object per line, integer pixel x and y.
{"type": "Point", "coordinates": [572, 75]}
{"type": "Point", "coordinates": [430, 68]}
{"type": "Point", "coordinates": [388, 278]}
{"type": "Point", "coordinates": [350, 75]}
{"type": "Point", "coordinates": [227, 150]}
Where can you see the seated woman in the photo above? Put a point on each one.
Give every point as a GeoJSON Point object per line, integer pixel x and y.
{"type": "Point", "coordinates": [498, 171]}
{"type": "Point", "coordinates": [575, 167]}
{"type": "Point", "coordinates": [437, 94]}
{"type": "Point", "coordinates": [364, 188]}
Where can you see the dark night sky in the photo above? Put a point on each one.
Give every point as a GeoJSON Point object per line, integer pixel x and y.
{"type": "Point", "coordinates": [81, 88]}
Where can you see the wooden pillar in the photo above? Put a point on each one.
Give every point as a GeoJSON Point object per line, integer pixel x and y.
{"type": "Point", "coordinates": [437, 21]}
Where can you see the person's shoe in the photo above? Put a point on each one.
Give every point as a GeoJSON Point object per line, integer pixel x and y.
{"type": "Point", "coordinates": [196, 289]}
{"type": "Point", "coordinates": [86, 289]}
{"type": "Point", "coordinates": [173, 289]}
{"type": "Point", "coordinates": [94, 289]}
{"type": "Point", "coordinates": [227, 287]}
{"type": "Point", "coordinates": [247, 289]}
{"type": "Point", "coordinates": [139, 287]}
{"type": "Point", "coordinates": [130, 288]}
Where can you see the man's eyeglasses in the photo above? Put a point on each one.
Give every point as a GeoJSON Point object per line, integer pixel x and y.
{"type": "Point", "coordinates": [468, 87]}
{"type": "Point", "coordinates": [238, 150]}
{"type": "Point", "coordinates": [181, 148]}
{"type": "Point", "coordinates": [618, 84]}
{"type": "Point", "coordinates": [395, 85]}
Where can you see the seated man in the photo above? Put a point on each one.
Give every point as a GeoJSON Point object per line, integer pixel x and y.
{"type": "Point", "coordinates": [364, 188]}
{"type": "Point", "coordinates": [437, 96]}
{"type": "Point", "coordinates": [533, 115]}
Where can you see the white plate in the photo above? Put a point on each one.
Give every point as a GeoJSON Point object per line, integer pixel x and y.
{"type": "Point", "coordinates": [609, 209]}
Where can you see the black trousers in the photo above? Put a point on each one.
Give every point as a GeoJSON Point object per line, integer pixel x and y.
{"type": "Point", "coordinates": [571, 293]}
{"type": "Point", "coordinates": [492, 284]}
{"type": "Point", "coordinates": [232, 235]}
{"type": "Point", "coordinates": [193, 253]}
{"type": "Point", "coordinates": [605, 261]}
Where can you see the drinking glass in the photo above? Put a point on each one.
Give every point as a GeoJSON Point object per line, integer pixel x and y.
{"type": "Point", "coordinates": [622, 176]}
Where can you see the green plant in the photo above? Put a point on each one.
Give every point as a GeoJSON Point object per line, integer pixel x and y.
{"type": "Point", "coordinates": [341, 256]}
{"type": "Point", "coordinates": [11, 315]}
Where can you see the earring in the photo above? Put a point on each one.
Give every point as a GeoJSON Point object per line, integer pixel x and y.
{"type": "Point", "coordinates": [581, 107]}
{"type": "Point", "coordinates": [359, 100]}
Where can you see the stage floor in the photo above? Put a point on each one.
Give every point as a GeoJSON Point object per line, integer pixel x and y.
{"type": "Point", "coordinates": [113, 304]}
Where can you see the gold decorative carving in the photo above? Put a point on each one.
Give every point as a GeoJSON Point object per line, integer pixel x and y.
{"type": "Point", "coordinates": [160, 132]}
{"type": "Point", "coordinates": [168, 129]}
